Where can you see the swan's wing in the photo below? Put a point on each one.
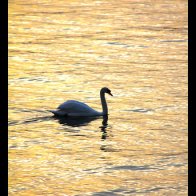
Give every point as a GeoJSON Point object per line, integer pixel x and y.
{"type": "Point", "coordinates": [58, 112]}
{"type": "Point", "coordinates": [72, 106]}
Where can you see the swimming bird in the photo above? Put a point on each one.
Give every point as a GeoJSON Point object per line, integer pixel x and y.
{"type": "Point", "coordinates": [76, 108]}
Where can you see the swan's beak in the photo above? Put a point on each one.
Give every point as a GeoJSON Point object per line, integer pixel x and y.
{"type": "Point", "coordinates": [110, 94]}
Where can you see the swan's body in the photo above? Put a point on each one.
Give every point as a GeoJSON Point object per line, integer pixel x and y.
{"type": "Point", "coordinates": [76, 108]}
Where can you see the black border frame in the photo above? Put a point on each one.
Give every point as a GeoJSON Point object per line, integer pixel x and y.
{"type": "Point", "coordinates": [4, 98]}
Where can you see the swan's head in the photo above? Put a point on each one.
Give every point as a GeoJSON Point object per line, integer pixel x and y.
{"type": "Point", "coordinates": [106, 90]}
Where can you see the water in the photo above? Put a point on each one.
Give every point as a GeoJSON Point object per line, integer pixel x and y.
{"type": "Point", "coordinates": [61, 50]}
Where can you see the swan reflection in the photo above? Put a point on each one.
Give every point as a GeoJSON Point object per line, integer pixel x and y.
{"type": "Point", "coordinates": [75, 121]}
{"type": "Point", "coordinates": [103, 127]}
{"type": "Point", "coordinates": [83, 121]}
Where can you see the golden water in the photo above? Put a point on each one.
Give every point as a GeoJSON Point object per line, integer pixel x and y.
{"type": "Point", "coordinates": [61, 50]}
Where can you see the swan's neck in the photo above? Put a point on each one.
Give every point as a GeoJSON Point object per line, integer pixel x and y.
{"type": "Point", "coordinates": [103, 103]}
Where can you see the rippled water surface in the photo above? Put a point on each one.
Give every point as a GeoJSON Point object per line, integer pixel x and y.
{"type": "Point", "coordinates": [61, 50]}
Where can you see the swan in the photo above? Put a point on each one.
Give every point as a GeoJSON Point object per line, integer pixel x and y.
{"type": "Point", "coordinates": [76, 108]}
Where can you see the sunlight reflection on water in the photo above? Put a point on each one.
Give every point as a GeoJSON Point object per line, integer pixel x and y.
{"type": "Point", "coordinates": [60, 51]}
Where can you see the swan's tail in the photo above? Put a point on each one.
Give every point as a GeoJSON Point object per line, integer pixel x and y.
{"type": "Point", "coordinates": [58, 112]}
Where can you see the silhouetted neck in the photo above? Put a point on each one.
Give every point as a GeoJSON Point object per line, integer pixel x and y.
{"type": "Point", "coordinates": [103, 103]}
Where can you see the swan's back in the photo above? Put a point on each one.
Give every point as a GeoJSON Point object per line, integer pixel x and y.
{"type": "Point", "coordinates": [72, 108]}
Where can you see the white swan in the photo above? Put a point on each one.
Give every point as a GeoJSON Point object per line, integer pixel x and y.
{"type": "Point", "coordinates": [76, 108]}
